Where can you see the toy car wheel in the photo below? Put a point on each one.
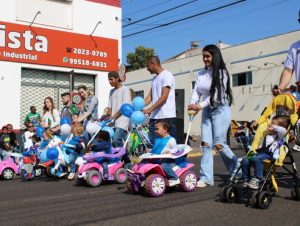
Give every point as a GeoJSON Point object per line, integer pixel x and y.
{"type": "Point", "coordinates": [188, 181]}
{"type": "Point", "coordinates": [223, 191]}
{"type": "Point", "coordinates": [93, 178]}
{"type": "Point", "coordinates": [49, 173]}
{"type": "Point", "coordinates": [231, 194]}
{"type": "Point", "coordinates": [7, 174]}
{"type": "Point", "coordinates": [295, 193]}
{"type": "Point", "coordinates": [254, 199]}
{"type": "Point", "coordinates": [121, 175]}
{"type": "Point", "coordinates": [264, 200]}
{"type": "Point", "coordinates": [269, 187]}
{"type": "Point", "coordinates": [78, 181]}
{"type": "Point", "coordinates": [155, 185]}
{"type": "Point", "coordinates": [38, 172]}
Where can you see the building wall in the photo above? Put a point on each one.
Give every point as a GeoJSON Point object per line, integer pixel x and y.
{"type": "Point", "coordinates": [249, 100]}
{"type": "Point", "coordinates": [81, 17]}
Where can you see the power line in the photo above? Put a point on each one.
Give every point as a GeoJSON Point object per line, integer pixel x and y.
{"type": "Point", "coordinates": [186, 18]}
{"type": "Point", "coordinates": [150, 7]}
{"type": "Point", "coordinates": [162, 12]}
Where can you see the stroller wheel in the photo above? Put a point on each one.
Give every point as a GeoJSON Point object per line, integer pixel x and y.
{"type": "Point", "coordinates": [253, 199]}
{"type": "Point", "coordinates": [295, 194]}
{"type": "Point", "coordinates": [231, 194]}
{"type": "Point", "coordinates": [264, 199]}
{"type": "Point", "coordinates": [223, 191]}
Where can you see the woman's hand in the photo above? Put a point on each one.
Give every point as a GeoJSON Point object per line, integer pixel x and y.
{"type": "Point", "coordinates": [195, 107]}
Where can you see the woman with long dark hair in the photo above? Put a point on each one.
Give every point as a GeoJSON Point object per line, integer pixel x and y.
{"type": "Point", "coordinates": [213, 84]}
{"type": "Point", "coordinates": [51, 117]}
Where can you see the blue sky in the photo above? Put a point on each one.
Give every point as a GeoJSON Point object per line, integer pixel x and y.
{"type": "Point", "coordinates": [243, 22]}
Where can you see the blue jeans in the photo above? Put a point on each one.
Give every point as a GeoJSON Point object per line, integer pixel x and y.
{"type": "Point", "coordinates": [119, 137]}
{"type": "Point", "coordinates": [215, 123]}
{"type": "Point", "coordinates": [245, 142]}
{"type": "Point", "coordinates": [167, 165]}
{"type": "Point", "coordinates": [258, 163]}
{"type": "Point", "coordinates": [104, 164]}
{"type": "Point", "coordinates": [152, 122]}
{"type": "Point", "coordinates": [72, 158]}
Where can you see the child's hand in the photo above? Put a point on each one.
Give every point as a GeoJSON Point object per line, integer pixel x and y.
{"type": "Point", "coordinates": [270, 129]}
{"type": "Point", "coordinates": [166, 152]}
{"type": "Point", "coordinates": [147, 150]}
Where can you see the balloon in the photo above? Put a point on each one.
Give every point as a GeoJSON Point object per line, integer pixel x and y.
{"type": "Point", "coordinates": [126, 110]}
{"type": "Point", "coordinates": [43, 156]}
{"type": "Point", "coordinates": [65, 129]}
{"type": "Point", "coordinates": [137, 117]}
{"type": "Point", "coordinates": [52, 153]}
{"type": "Point", "coordinates": [138, 103]}
{"type": "Point", "coordinates": [92, 127]}
{"type": "Point", "coordinates": [146, 120]}
{"type": "Point", "coordinates": [65, 120]}
{"type": "Point", "coordinates": [109, 130]}
{"type": "Point", "coordinates": [39, 131]}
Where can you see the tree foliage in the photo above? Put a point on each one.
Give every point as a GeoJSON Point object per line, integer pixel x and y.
{"type": "Point", "coordinates": [138, 59]}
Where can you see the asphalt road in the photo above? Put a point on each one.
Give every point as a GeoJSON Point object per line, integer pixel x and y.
{"type": "Point", "coordinates": [46, 201]}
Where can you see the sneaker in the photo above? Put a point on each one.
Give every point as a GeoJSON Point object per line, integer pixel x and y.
{"type": "Point", "coordinates": [71, 176]}
{"type": "Point", "coordinates": [201, 184]}
{"type": "Point", "coordinates": [173, 182]}
{"type": "Point", "coordinates": [62, 174]}
{"type": "Point", "coordinates": [105, 176]}
{"type": "Point", "coordinates": [296, 148]}
{"type": "Point", "coordinates": [254, 183]}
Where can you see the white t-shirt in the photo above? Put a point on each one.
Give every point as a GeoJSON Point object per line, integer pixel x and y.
{"type": "Point", "coordinates": [168, 109]}
{"type": "Point", "coordinates": [202, 88]}
{"type": "Point", "coordinates": [293, 59]}
{"type": "Point", "coordinates": [117, 97]}
{"type": "Point", "coordinates": [51, 119]}
{"type": "Point", "coordinates": [171, 146]}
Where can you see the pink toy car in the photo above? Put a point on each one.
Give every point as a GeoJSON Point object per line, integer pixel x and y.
{"type": "Point", "coordinates": [150, 177]}
{"type": "Point", "coordinates": [8, 168]}
{"type": "Point", "coordinates": [91, 172]}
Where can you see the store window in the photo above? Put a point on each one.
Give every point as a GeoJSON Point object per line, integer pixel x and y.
{"type": "Point", "coordinates": [139, 93]}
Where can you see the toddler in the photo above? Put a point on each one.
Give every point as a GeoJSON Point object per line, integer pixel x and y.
{"type": "Point", "coordinates": [268, 149]}
{"type": "Point", "coordinates": [103, 144]}
{"type": "Point", "coordinates": [165, 144]}
{"type": "Point", "coordinates": [77, 130]}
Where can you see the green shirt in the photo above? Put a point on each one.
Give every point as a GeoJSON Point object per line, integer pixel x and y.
{"type": "Point", "coordinates": [33, 118]}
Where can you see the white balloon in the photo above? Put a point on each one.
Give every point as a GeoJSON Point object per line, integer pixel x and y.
{"type": "Point", "coordinates": [65, 129]}
{"type": "Point", "coordinates": [92, 127]}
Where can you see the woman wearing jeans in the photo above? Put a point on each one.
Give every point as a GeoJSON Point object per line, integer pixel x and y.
{"type": "Point", "coordinates": [213, 83]}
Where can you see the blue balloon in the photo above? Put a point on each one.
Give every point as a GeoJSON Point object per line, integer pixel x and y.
{"type": "Point", "coordinates": [65, 120]}
{"type": "Point", "coordinates": [109, 130]}
{"type": "Point", "coordinates": [127, 110]}
{"type": "Point", "coordinates": [137, 117]}
{"type": "Point", "coordinates": [52, 153]}
{"type": "Point", "coordinates": [138, 103]}
{"type": "Point", "coordinates": [39, 131]}
{"type": "Point", "coordinates": [43, 156]}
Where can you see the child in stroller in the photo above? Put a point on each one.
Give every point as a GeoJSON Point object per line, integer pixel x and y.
{"type": "Point", "coordinates": [268, 149]}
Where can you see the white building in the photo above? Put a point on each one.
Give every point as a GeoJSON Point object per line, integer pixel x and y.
{"type": "Point", "coordinates": [255, 67]}
{"type": "Point", "coordinates": [48, 47]}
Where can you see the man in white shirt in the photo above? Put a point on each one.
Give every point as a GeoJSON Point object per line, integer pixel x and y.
{"type": "Point", "coordinates": [162, 97]}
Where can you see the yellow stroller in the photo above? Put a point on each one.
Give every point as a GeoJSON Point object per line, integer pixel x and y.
{"type": "Point", "coordinates": [283, 104]}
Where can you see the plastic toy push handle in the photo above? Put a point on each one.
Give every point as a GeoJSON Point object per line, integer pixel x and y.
{"type": "Point", "coordinates": [191, 114]}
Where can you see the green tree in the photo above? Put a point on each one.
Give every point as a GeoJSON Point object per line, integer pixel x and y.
{"type": "Point", "coordinates": [138, 59]}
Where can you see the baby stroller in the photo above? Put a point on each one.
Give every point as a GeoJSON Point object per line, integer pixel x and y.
{"type": "Point", "coordinates": [283, 104]}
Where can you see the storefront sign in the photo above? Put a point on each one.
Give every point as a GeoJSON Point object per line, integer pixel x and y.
{"type": "Point", "coordinates": [20, 43]}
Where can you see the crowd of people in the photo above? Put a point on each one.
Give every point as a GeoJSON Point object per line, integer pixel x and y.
{"type": "Point", "coordinates": [212, 96]}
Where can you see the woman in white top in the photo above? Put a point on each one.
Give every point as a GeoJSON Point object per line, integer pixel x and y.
{"type": "Point", "coordinates": [51, 117]}
{"type": "Point", "coordinates": [213, 84]}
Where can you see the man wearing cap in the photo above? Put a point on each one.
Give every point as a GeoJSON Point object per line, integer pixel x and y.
{"type": "Point", "coordinates": [119, 95]}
